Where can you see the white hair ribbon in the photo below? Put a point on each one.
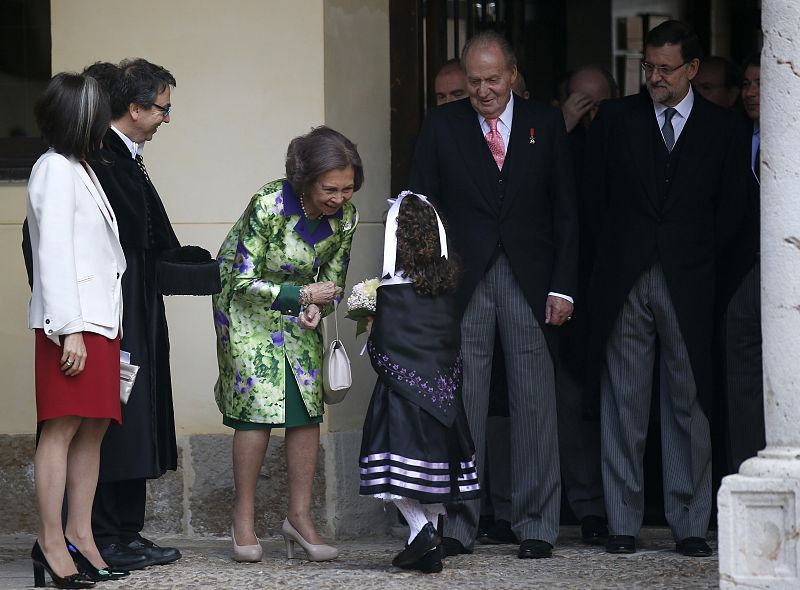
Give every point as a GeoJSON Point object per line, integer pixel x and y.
{"type": "Point", "coordinates": [390, 240]}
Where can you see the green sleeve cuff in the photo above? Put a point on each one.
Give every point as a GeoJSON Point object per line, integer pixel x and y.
{"type": "Point", "coordinates": [288, 301]}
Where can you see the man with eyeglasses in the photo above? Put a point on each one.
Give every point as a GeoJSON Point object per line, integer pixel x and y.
{"type": "Point", "coordinates": [144, 446]}
{"type": "Point", "coordinates": [665, 181]}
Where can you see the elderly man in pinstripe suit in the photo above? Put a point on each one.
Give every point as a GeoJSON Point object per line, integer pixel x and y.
{"type": "Point", "coordinates": [500, 169]}
{"type": "Point", "coordinates": [666, 175]}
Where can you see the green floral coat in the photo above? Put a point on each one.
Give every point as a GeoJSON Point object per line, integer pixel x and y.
{"type": "Point", "coordinates": [268, 246]}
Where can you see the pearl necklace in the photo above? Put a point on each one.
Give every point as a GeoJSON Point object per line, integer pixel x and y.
{"type": "Point", "coordinates": [303, 207]}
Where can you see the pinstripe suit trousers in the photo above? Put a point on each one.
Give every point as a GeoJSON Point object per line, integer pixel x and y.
{"type": "Point", "coordinates": [626, 386]}
{"type": "Point", "coordinates": [498, 301]}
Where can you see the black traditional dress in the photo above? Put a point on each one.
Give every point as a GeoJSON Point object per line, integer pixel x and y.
{"type": "Point", "coordinates": [416, 441]}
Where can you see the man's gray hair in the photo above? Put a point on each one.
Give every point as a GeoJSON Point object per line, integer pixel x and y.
{"type": "Point", "coordinates": [489, 37]}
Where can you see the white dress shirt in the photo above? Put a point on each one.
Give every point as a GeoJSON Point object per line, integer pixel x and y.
{"type": "Point", "coordinates": [136, 149]}
{"type": "Point", "coordinates": [684, 108]}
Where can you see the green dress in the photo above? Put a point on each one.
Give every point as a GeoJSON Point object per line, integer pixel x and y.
{"type": "Point", "coordinates": [261, 351]}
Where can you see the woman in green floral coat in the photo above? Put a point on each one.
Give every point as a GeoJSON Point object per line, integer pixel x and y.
{"type": "Point", "coordinates": [282, 264]}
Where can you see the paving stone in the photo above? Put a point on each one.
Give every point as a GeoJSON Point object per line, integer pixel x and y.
{"type": "Point", "coordinates": [366, 564]}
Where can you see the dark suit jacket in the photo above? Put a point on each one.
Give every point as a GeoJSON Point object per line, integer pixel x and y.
{"type": "Point", "coordinates": [639, 220]}
{"type": "Point", "coordinates": [528, 209]}
{"type": "Point", "coordinates": [737, 260]}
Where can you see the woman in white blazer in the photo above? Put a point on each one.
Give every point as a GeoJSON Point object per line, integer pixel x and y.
{"type": "Point", "coordinates": [76, 313]}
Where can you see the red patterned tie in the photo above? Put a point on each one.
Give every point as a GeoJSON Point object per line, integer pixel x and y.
{"type": "Point", "coordinates": [495, 143]}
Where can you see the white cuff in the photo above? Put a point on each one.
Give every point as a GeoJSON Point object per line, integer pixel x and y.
{"type": "Point", "coordinates": [567, 297]}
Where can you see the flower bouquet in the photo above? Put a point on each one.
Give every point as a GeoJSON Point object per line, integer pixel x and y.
{"type": "Point", "coordinates": [361, 303]}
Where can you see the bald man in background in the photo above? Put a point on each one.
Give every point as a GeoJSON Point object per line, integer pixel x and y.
{"type": "Point", "coordinates": [579, 436]}
{"type": "Point", "coordinates": [450, 83]}
{"type": "Point", "coordinates": [718, 81]}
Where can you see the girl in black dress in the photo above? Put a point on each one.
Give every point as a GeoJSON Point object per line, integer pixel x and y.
{"type": "Point", "coordinates": [416, 448]}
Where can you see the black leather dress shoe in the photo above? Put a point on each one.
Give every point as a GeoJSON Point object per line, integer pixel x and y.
{"type": "Point", "coordinates": [453, 547]}
{"type": "Point", "coordinates": [425, 541]}
{"type": "Point", "coordinates": [120, 557]}
{"type": "Point", "coordinates": [484, 524]}
{"type": "Point", "coordinates": [594, 530]}
{"type": "Point", "coordinates": [500, 533]}
{"type": "Point", "coordinates": [535, 549]}
{"type": "Point", "coordinates": [693, 547]}
{"type": "Point", "coordinates": [431, 562]}
{"type": "Point", "coordinates": [621, 544]}
{"type": "Point", "coordinates": [155, 555]}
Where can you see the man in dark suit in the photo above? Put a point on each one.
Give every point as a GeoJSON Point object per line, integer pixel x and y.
{"type": "Point", "coordinates": [664, 175]}
{"type": "Point", "coordinates": [739, 300]}
{"type": "Point", "coordinates": [144, 446]}
{"type": "Point", "coordinates": [579, 425]}
{"type": "Point", "coordinates": [500, 170]}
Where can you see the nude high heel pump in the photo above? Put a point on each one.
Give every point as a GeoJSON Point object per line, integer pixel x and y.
{"type": "Point", "coordinates": [313, 552]}
{"type": "Point", "coordinates": [246, 553]}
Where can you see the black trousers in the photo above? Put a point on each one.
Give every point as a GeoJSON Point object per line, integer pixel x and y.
{"type": "Point", "coordinates": [744, 386]}
{"type": "Point", "coordinates": [118, 511]}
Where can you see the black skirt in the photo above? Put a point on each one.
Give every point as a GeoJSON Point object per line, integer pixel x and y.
{"type": "Point", "coordinates": [407, 452]}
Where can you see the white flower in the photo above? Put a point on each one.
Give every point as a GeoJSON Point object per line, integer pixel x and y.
{"type": "Point", "coordinates": [363, 295]}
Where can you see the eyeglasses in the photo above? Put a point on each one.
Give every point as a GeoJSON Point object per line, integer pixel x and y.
{"type": "Point", "coordinates": [663, 71]}
{"type": "Point", "coordinates": [165, 111]}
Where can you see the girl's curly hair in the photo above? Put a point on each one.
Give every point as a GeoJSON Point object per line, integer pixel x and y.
{"type": "Point", "coordinates": [418, 253]}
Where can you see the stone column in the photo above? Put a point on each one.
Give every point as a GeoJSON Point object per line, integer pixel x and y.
{"type": "Point", "coordinates": [759, 507]}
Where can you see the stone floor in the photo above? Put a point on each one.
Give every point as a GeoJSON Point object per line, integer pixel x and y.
{"type": "Point", "coordinates": [206, 564]}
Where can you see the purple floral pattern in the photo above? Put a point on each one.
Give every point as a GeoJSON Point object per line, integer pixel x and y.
{"type": "Point", "coordinates": [242, 385]}
{"type": "Point", "coordinates": [441, 392]}
{"type": "Point", "coordinates": [261, 252]}
{"type": "Point", "coordinates": [241, 262]}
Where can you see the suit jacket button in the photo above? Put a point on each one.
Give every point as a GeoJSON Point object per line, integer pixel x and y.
{"type": "Point", "coordinates": [50, 331]}
{"type": "Point", "coordinates": [47, 321]}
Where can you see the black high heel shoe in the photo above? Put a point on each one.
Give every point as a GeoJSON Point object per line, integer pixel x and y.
{"type": "Point", "coordinates": [86, 567]}
{"type": "Point", "coordinates": [75, 581]}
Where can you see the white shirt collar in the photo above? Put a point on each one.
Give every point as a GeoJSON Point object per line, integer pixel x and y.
{"type": "Point", "coordinates": [506, 117]}
{"type": "Point", "coordinates": [684, 107]}
{"type": "Point", "coordinates": [135, 148]}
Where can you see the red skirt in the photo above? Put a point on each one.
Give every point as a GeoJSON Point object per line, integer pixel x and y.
{"type": "Point", "coordinates": [94, 393]}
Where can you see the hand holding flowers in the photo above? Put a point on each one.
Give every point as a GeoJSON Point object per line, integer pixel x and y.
{"type": "Point", "coordinates": [361, 303]}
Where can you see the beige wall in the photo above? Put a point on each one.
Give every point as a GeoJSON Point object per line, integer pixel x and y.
{"type": "Point", "coordinates": [250, 76]}
{"type": "Point", "coordinates": [357, 104]}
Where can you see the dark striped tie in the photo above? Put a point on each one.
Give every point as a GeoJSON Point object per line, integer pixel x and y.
{"type": "Point", "coordinates": [140, 162]}
{"type": "Point", "coordinates": [667, 130]}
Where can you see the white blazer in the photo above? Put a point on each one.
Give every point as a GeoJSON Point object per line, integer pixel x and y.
{"type": "Point", "coordinates": [77, 258]}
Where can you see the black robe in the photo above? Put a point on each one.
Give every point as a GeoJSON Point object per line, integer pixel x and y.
{"type": "Point", "coordinates": [144, 446]}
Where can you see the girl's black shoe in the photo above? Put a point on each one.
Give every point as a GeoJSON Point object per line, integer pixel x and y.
{"type": "Point", "coordinates": [431, 562]}
{"type": "Point", "coordinates": [86, 567]}
{"type": "Point", "coordinates": [75, 581]}
{"type": "Point", "coordinates": [426, 541]}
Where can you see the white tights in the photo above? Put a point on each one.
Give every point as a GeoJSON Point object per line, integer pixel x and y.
{"type": "Point", "coordinates": [418, 515]}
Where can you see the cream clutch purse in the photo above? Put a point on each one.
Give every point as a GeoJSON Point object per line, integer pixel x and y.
{"type": "Point", "coordinates": [127, 376]}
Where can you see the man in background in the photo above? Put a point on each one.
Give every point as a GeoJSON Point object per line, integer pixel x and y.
{"type": "Point", "coordinates": [718, 81]}
{"type": "Point", "coordinates": [739, 299]}
{"type": "Point", "coordinates": [450, 83]}
{"type": "Point", "coordinates": [579, 423]}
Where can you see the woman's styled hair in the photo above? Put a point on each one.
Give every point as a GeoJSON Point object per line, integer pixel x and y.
{"type": "Point", "coordinates": [419, 252]}
{"type": "Point", "coordinates": [73, 114]}
{"type": "Point", "coordinates": [317, 152]}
